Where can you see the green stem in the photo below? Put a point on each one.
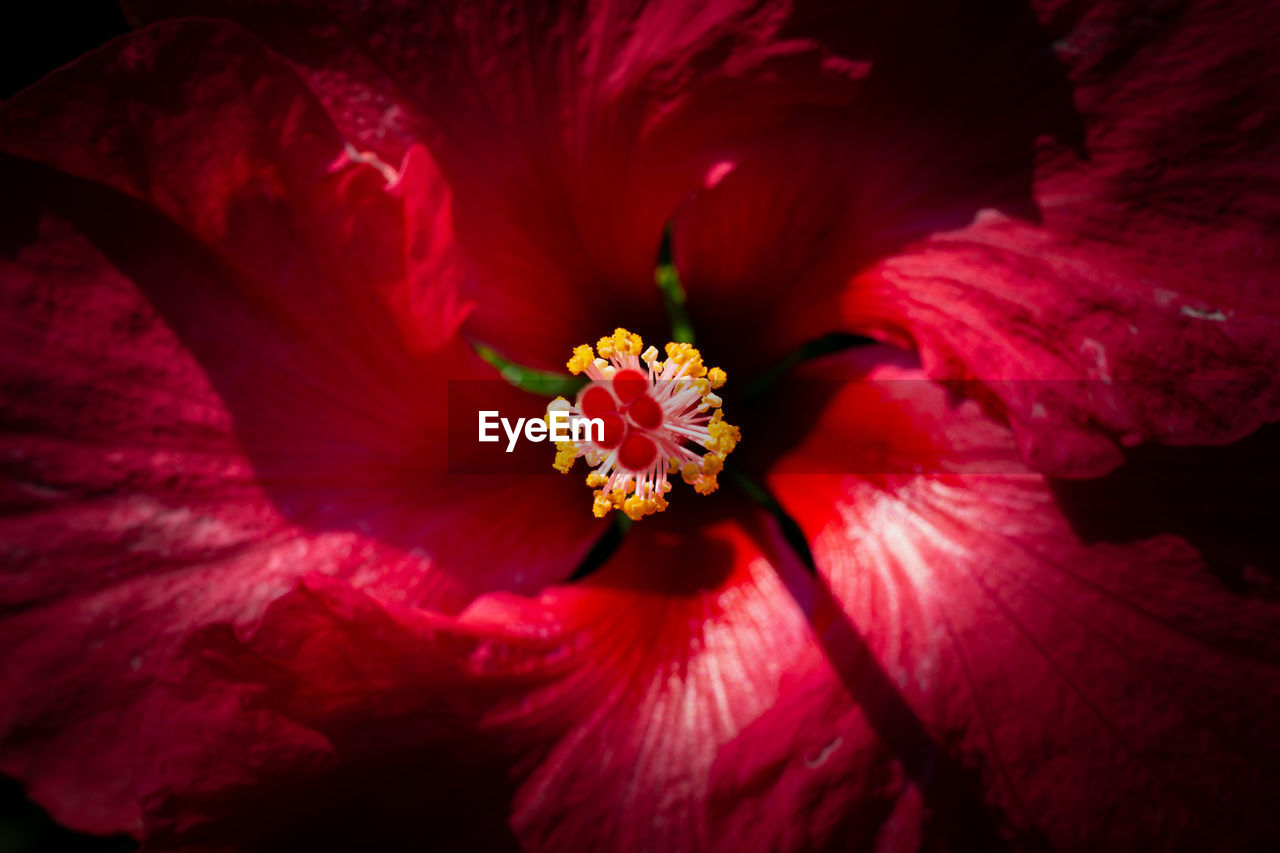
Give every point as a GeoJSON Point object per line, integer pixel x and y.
{"type": "Point", "coordinates": [667, 277]}
{"type": "Point", "coordinates": [546, 383]}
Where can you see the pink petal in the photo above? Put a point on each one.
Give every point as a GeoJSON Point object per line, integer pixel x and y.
{"type": "Point", "coordinates": [236, 377]}
{"type": "Point", "coordinates": [1028, 683]}
{"type": "Point", "coordinates": [1138, 299]}
{"type": "Point", "coordinates": [606, 701]}
{"type": "Point", "coordinates": [1079, 211]}
{"type": "Point", "coordinates": [570, 137]}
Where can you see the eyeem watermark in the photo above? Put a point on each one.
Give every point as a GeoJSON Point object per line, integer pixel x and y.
{"type": "Point", "coordinates": [563, 427]}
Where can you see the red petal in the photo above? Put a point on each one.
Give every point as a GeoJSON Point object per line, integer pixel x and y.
{"type": "Point", "coordinates": [812, 754]}
{"type": "Point", "coordinates": [1079, 690]}
{"type": "Point", "coordinates": [1137, 298]}
{"type": "Point", "coordinates": [569, 136]}
{"type": "Point", "coordinates": [658, 659]}
{"type": "Point", "coordinates": [759, 247]}
{"type": "Point", "coordinates": [322, 325]}
{"type": "Point", "coordinates": [1123, 278]}
{"type": "Point", "coordinates": [609, 699]}
{"type": "Point", "coordinates": [196, 414]}
{"type": "Point", "coordinates": [336, 725]}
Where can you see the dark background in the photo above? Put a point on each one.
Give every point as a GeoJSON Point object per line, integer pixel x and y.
{"type": "Point", "coordinates": [36, 38]}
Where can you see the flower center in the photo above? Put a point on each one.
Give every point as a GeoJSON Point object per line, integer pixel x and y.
{"type": "Point", "coordinates": [658, 418]}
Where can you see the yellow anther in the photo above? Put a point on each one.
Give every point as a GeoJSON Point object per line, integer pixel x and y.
{"type": "Point", "coordinates": [673, 465]}
{"type": "Point", "coordinates": [618, 497]}
{"type": "Point", "coordinates": [724, 436]}
{"type": "Point", "coordinates": [717, 377]}
{"type": "Point", "coordinates": [582, 357]}
{"type": "Point", "coordinates": [566, 452]}
{"type": "Point", "coordinates": [712, 401]}
{"type": "Point", "coordinates": [595, 479]}
{"type": "Point", "coordinates": [690, 472]}
{"type": "Point", "coordinates": [706, 485]}
{"type": "Point", "coordinates": [702, 386]}
{"type": "Point", "coordinates": [650, 356]}
{"type": "Point", "coordinates": [688, 357]}
{"type": "Point", "coordinates": [601, 504]}
{"type": "Point", "coordinates": [626, 343]}
{"type": "Point", "coordinates": [634, 508]}
{"type": "Point", "coordinates": [605, 346]}
{"type": "Point", "coordinates": [712, 464]}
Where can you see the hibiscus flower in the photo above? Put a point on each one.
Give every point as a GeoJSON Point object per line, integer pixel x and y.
{"type": "Point", "coordinates": [256, 262]}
